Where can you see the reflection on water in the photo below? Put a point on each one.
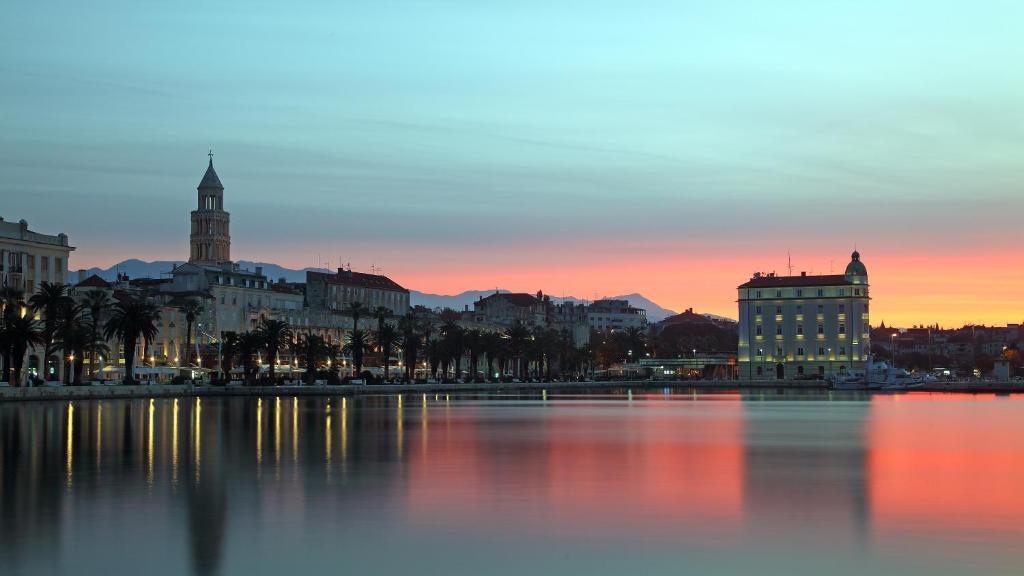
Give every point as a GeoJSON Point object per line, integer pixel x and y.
{"type": "Point", "coordinates": [631, 482]}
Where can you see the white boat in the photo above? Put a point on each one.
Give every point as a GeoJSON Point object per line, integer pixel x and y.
{"type": "Point", "coordinates": [884, 376]}
{"type": "Point", "coordinates": [848, 381]}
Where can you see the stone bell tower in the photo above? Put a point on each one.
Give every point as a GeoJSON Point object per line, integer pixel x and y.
{"type": "Point", "coordinates": [211, 238]}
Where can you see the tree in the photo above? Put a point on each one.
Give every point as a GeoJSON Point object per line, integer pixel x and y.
{"type": "Point", "coordinates": [472, 342]}
{"type": "Point", "coordinates": [358, 342]}
{"type": "Point", "coordinates": [433, 351]}
{"type": "Point", "coordinates": [191, 309]}
{"type": "Point", "coordinates": [408, 327]}
{"type": "Point", "coordinates": [249, 344]}
{"type": "Point", "coordinates": [228, 352]}
{"type": "Point", "coordinates": [18, 335]}
{"type": "Point", "coordinates": [636, 340]}
{"type": "Point", "coordinates": [275, 335]}
{"type": "Point", "coordinates": [130, 320]}
{"type": "Point", "coordinates": [312, 349]}
{"type": "Point", "coordinates": [385, 340]}
{"type": "Point", "coordinates": [12, 301]}
{"type": "Point", "coordinates": [355, 310]}
{"type": "Point", "coordinates": [381, 313]}
{"type": "Point", "coordinates": [492, 345]}
{"type": "Point", "coordinates": [451, 338]}
{"type": "Point", "coordinates": [517, 337]}
{"type": "Point", "coordinates": [97, 302]}
{"type": "Point", "coordinates": [53, 300]}
{"type": "Point", "coordinates": [75, 338]}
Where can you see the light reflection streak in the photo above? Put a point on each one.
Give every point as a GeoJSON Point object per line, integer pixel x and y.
{"type": "Point", "coordinates": [99, 433]}
{"type": "Point", "coordinates": [277, 435]}
{"type": "Point", "coordinates": [174, 443]}
{"type": "Point", "coordinates": [295, 430]}
{"type": "Point", "coordinates": [423, 426]}
{"type": "Point", "coordinates": [149, 444]}
{"type": "Point", "coordinates": [327, 444]}
{"type": "Point", "coordinates": [259, 437]}
{"type": "Point", "coordinates": [199, 435]}
{"type": "Point", "coordinates": [344, 431]}
{"type": "Point", "coordinates": [398, 427]}
{"type": "Point", "coordinates": [70, 441]}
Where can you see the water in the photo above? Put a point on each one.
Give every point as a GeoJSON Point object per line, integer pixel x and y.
{"type": "Point", "coordinates": [641, 483]}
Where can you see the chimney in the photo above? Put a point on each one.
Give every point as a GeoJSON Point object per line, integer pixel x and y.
{"type": "Point", "coordinates": [259, 270]}
{"type": "Point", "coordinates": [81, 275]}
{"type": "Point", "coordinates": [802, 273]}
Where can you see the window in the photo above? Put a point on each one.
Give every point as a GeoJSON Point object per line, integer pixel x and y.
{"type": "Point", "coordinates": [821, 309]}
{"type": "Point", "coordinates": [842, 308]}
{"type": "Point", "coordinates": [758, 329]}
{"type": "Point", "coordinates": [799, 329]}
{"type": "Point", "coordinates": [821, 328]}
{"type": "Point", "coordinates": [865, 307]}
{"type": "Point", "coordinates": [758, 294]}
{"type": "Point", "coordinates": [799, 293]}
{"type": "Point", "coordinates": [856, 291]}
{"type": "Point", "coordinates": [760, 371]}
{"type": "Point", "coordinates": [800, 370]}
{"type": "Point", "coordinates": [778, 330]}
{"type": "Point", "coordinates": [799, 309]}
{"type": "Point", "coordinates": [842, 328]}
{"type": "Point", "coordinates": [821, 350]}
{"type": "Point", "coordinates": [31, 263]}
{"type": "Point", "coordinates": [778, 309]}
{"type": "Point", "coordinates": [760, 352]}
{"type": "Point", "coordinates": [842, 291]}
{"type": "Point", "coordinates": [44, 263]}
{"type": "Point", "coordinates": [778, 351]}
{"type": "Point", "coordinates": [842, 350]}
{"type": "Point", "coordinates": [799, 351]}
{"type": "Point", "coordinates": [778, 293]}
{"type": "Point", "coordinates": [820, 292]}
{"type": "Point", "coordinates": [757, 310]}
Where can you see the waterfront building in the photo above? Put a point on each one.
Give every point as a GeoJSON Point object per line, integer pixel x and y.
{"type": "Point", "coordinates": [793, 326]}
{"type": "Point", "coordinates": [338, 291]}
{"type": "Point", "coordinates": [508, 309]}
{"type": "Point", "coordinates": [611, 315]}
{"type": "Point", "coordinates": [29, 258]}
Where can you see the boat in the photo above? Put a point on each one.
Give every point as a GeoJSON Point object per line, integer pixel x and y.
{"type": "Point", "coordinates": [848, 381]}
{"type": "Point", "coordinates": [886, 377]}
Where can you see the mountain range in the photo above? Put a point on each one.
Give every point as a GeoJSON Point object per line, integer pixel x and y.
{"type": "Point", "coordinates": [140, 269]}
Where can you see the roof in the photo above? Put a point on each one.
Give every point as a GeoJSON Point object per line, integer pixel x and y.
{"type": "Point", "coordinates": [856, 267]}
{"type": "Point", "coordinates": [355, 279]}
{"type": "Point", "coordinates": [772, 281]}
{"type": "Point", "coordinates": [515, 298]}
{"type": "Point", "coordinates": [688, 317]}
{"type": "Point", "coordinates": [93, 281]}
{"type": "Point", "coordinates": [210, 179]}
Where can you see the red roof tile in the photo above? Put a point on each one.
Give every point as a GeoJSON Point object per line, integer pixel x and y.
{"type": "Point", "coordinates": [93, 281]}
{"type": "Point", "coordinates": [357, 279]}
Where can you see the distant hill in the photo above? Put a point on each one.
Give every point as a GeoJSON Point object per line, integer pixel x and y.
{"type": "Point", "coordinates": [139, 269]}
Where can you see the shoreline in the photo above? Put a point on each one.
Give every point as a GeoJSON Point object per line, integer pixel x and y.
{"type": "Point", "coordinates": [43, 393]}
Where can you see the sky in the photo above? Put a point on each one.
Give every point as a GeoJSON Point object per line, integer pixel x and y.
{"type": "Point", "coordinates": [580, 147]}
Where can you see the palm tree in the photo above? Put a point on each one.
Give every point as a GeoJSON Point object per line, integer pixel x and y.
{"type": "Point", "coordinates": [312, 349]}
{"type": "Point", "coordinates": [518, 336]}
{"type": "Point", "coordinates": [385, 340]}
{"type": "Point", "coordinates": [356, 309]}
{"type": "Point", "coordinates": [75, 338]}
{"type": "Point", "coordinates": [18, 335]}
{"type": "Point", "coordinates": [433, 351]}
{"type": "Point", "coordinates": [276, 334]}
{"type": "Point", "coordinates": [249, 344]}
{"type": "Point", "coordinates": [228, 352]}
{"type": "Point", "coordinates": [491, 344]}
{"type": "Point", "coordinates": [12, 301]}
{"type": "Point", "coordinates": [54, 300]}
{"type": "Point", "coordinates": [357, 344]}
{"type": "Point", "coordinates": [452, 341]}
{"type": "Point", "coordinates": [97, 302]}
{"type": "Point", "coordinates": [472, 341]}
{"type": "Point", "coordinates": [130, 320]}
{"type": "Point", "coordinates": [381, 313]}
{"type": "Point", "coordinates": [408, 327]}
{"type": "Point", "coordinates": [191, 309]}
{"type": "Point", "coordinates": [636, 339]}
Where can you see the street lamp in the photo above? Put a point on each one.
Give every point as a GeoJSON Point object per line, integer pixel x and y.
{"type": "Point", "coordinates": [894, 350]}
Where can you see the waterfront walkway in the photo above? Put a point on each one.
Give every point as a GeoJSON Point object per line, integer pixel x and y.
{"type": "Point", "coordinates": [188, 390]}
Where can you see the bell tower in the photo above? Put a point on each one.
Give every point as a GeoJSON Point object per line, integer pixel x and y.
{"type": "Point", "coordinates": [211, 238]}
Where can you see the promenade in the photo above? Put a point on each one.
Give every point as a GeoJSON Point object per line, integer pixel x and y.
{"type": "Point", "coordinates": [9, 394]}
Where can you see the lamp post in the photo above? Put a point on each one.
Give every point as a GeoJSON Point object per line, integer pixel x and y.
{"type": "Point", "coordinates": [829, 361]}
{"type": "Point", "coordinates": [894, 350]}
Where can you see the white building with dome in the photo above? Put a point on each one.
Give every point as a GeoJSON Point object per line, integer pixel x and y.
{"type": "Point", "coordinates": [801, 326]}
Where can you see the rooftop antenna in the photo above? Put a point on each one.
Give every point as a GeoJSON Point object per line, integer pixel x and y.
{"type": "Point", "coordinates": [789, 262]}
{"type": "Point", "coordinates": [830, 263]}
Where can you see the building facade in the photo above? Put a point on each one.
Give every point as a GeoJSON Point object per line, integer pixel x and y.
{"type": "Point", "coordinates": [613, 315]}
{"type": "Point", "coordinates": [338, 291]}
{"type": "Point", "coordinates": [803, 326]}
{"type": "Point", "coordinates": [29, 258]}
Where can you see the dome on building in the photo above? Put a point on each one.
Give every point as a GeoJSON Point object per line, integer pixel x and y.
{"type": "Point", "coordinates": [856, 267]}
